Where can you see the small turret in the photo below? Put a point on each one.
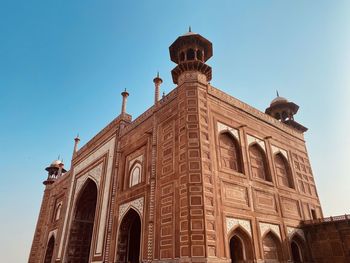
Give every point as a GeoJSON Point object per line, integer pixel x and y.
{"type": "Point", "coordinates": [284, 111]}
{"type": "Point", "coordinates": [190, 52]}
{"type": "Point", "coordinates": [55, 170]}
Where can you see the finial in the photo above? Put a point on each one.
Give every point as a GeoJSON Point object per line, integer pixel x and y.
{"type": "Point", "coordinates": [58, 157]}
{"type": "Point", "coordinates": [163, 94]}
{"type": "Point", "coordinates": [189, 29]}
{"type": "Point", "coordinates": [277, 93]}
{"type": "Point", "coordinates": [157, 74]}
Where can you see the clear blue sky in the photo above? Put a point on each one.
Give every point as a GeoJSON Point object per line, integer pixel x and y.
{"type": "Point", "coordinates": [64, 63]}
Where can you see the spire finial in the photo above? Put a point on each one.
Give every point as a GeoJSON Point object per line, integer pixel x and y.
{"type": "Point", "coordinates": [189, 29]}
{"type": "Point", "coordinates": [158, 74]}
{"type": "Point", "coordinates": [277, 93]}
{"type": "Point", "coordinates": [58, 157]}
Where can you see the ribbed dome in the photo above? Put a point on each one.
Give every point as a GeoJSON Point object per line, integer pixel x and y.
{"type": "Point", "coordinates": [278, 100]}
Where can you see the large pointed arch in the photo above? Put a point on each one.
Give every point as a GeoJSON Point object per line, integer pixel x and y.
{"type": "Point", "coordinates": [283, 171]}
{"type": "Point", "coordinates": [49, 250]}
{"type": "Point", "coordinates": [129, 238]}
{"type": "Point", "coordinates": [83, 223]}
{"type": "Point", "coordinates": [272, 247]}
{"type": "Point", "coordinates": [298, 248]}
{"type": "Point", "coordinates": [258, 162]}
{"type": "Point", "coordinates": [230, 153]}
{"type": "Point", "coordinates": [240, 245]}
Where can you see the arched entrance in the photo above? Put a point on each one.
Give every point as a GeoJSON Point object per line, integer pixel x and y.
{"type": "Point", "coordinates": [49, 250]}
{"type": "Point", "coordinates": [129, 238]}
{"type": "Point", "coordinates": [272, 248]}
{"type": "Point", "coordinates": [240, 246]}
{"type": "Point", "coordinates": [82, 225]}
{"type": "Point", "coordinates": [298, 251]}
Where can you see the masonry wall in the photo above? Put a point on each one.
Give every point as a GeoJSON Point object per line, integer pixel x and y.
{"type": "Point", "coordinates": [329, 241]}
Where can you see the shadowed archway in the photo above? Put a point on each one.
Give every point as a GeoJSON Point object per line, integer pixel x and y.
{"type": "Point", "coordinates": [129, 238]}
{"type": "Point", "coordinates": [82, 225]}
{"type": "Point", "coordinates": [241, 249]}
{"type": "Point", "coordinates": [298, 250]}
{"type": "Point", "coordinates": [49, 250]}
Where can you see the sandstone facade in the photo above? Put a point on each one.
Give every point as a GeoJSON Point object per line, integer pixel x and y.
{"type": "Point", "coordinates": [199, 177]}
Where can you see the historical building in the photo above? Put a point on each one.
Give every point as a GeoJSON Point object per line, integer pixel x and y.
{"type": "Point", "coordinates": [198, 177]}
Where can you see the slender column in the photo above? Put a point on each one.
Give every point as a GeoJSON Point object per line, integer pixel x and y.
{"type": "Point", "coordinates": [125, 95]}
{"type": "Point", "coordinates": [76, 142]}
{"type": "Point", "coordinates": [157, 81]}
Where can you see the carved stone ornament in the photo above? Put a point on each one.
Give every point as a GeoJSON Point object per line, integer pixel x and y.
{"type": "Point", "coordinates": [233, 222]}
{"type": "Point", "coordinates": [276, 150]}
{"type": "Point", "coordinates": [265, 227]}
{"type": "Point", "coordinates": [232, 131]}
{"type": "Point", "coordinates": [137, 204]}
{"type": "Point", "coordinates": [252, 139]}
{"type": "Point", "coordinates": [292, 230]}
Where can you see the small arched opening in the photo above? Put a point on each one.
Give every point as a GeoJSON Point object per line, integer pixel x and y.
{"type": "Point", "coordinates": [82, 225]}
{"type": "Point", "coordinates": [49, 250]}
{"type": "Point", "coordinates": [230, 153]}
{"type": "Point", "coordinates": [258, 162]}
{"type": "Point", "coordinates": [241, 249]}
{"type": "Point", "coordinates": [199, 55]}
{"type": "Point", "coordinates": [190, 54]}
{"type": "Point", "coordinates": [272, 248]}
{"type": "Point", "coordinates": [182, 56]}
{"type": "Point", "coordinates": [129, 238]}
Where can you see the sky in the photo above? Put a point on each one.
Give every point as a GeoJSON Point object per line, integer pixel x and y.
{"type": "Point", "coordinates": [63, 65]}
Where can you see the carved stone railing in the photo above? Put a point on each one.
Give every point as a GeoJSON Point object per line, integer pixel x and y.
{"type": "Point", "coordinates": [326, 220]}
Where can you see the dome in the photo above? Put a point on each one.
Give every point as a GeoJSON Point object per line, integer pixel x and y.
{"type": "Point", "coordinates": [189, 34]}
{"type": "Point", "coordinates": [55, 163]}
{"type": "Point", "coordinates": [278, 100]}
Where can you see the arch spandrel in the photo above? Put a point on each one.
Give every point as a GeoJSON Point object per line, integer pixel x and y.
{"type": "Point", "coordinates": [266, 227]}
{"type": "Point", "coordinates": [232, 223]}
{"type": "Point", "coordinates": [136, 204]}
{"type": "Point", "coordinates": [224, 128]}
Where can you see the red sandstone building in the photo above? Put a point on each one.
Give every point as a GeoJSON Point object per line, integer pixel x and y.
{"type": "Point", "coordinates": [199, 177]}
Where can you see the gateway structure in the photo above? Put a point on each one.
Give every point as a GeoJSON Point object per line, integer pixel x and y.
{"type": "Point", "coordinates": [199, 177]}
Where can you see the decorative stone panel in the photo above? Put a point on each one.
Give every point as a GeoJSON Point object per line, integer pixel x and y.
{"type": "Point", "coordinates": [277, 149]}
{"type": "Point", "coordinates": [137, 204]}
{"type": "Point", "coordinates": [231, 223]}
{"type": "Point", "coordinates": [232, 131]}
{"type": "Point", "coordinates": [265, 227]}
{"type": "Point", "coordinates": [293, 230]}
{"type": "Point", "coordinates": [252, 139]}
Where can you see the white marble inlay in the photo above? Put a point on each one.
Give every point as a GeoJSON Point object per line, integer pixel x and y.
{"type": "Point", "coordinates": [52, 233]}
{"type": "Point", "coordinates": [223, 127]}
{"type": "Point", "coordinates": [233, 222]}
{"type": "Point", "coordinates": [277, 149]}
{"type": "Point", "coordinates": [137, 204]}
{"type": "Point", "coordinates": [265, 227]}
{"type": "Point", "coordinates": [252, 139]}
{"type": "Point", "coordinates": [294, 230]}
